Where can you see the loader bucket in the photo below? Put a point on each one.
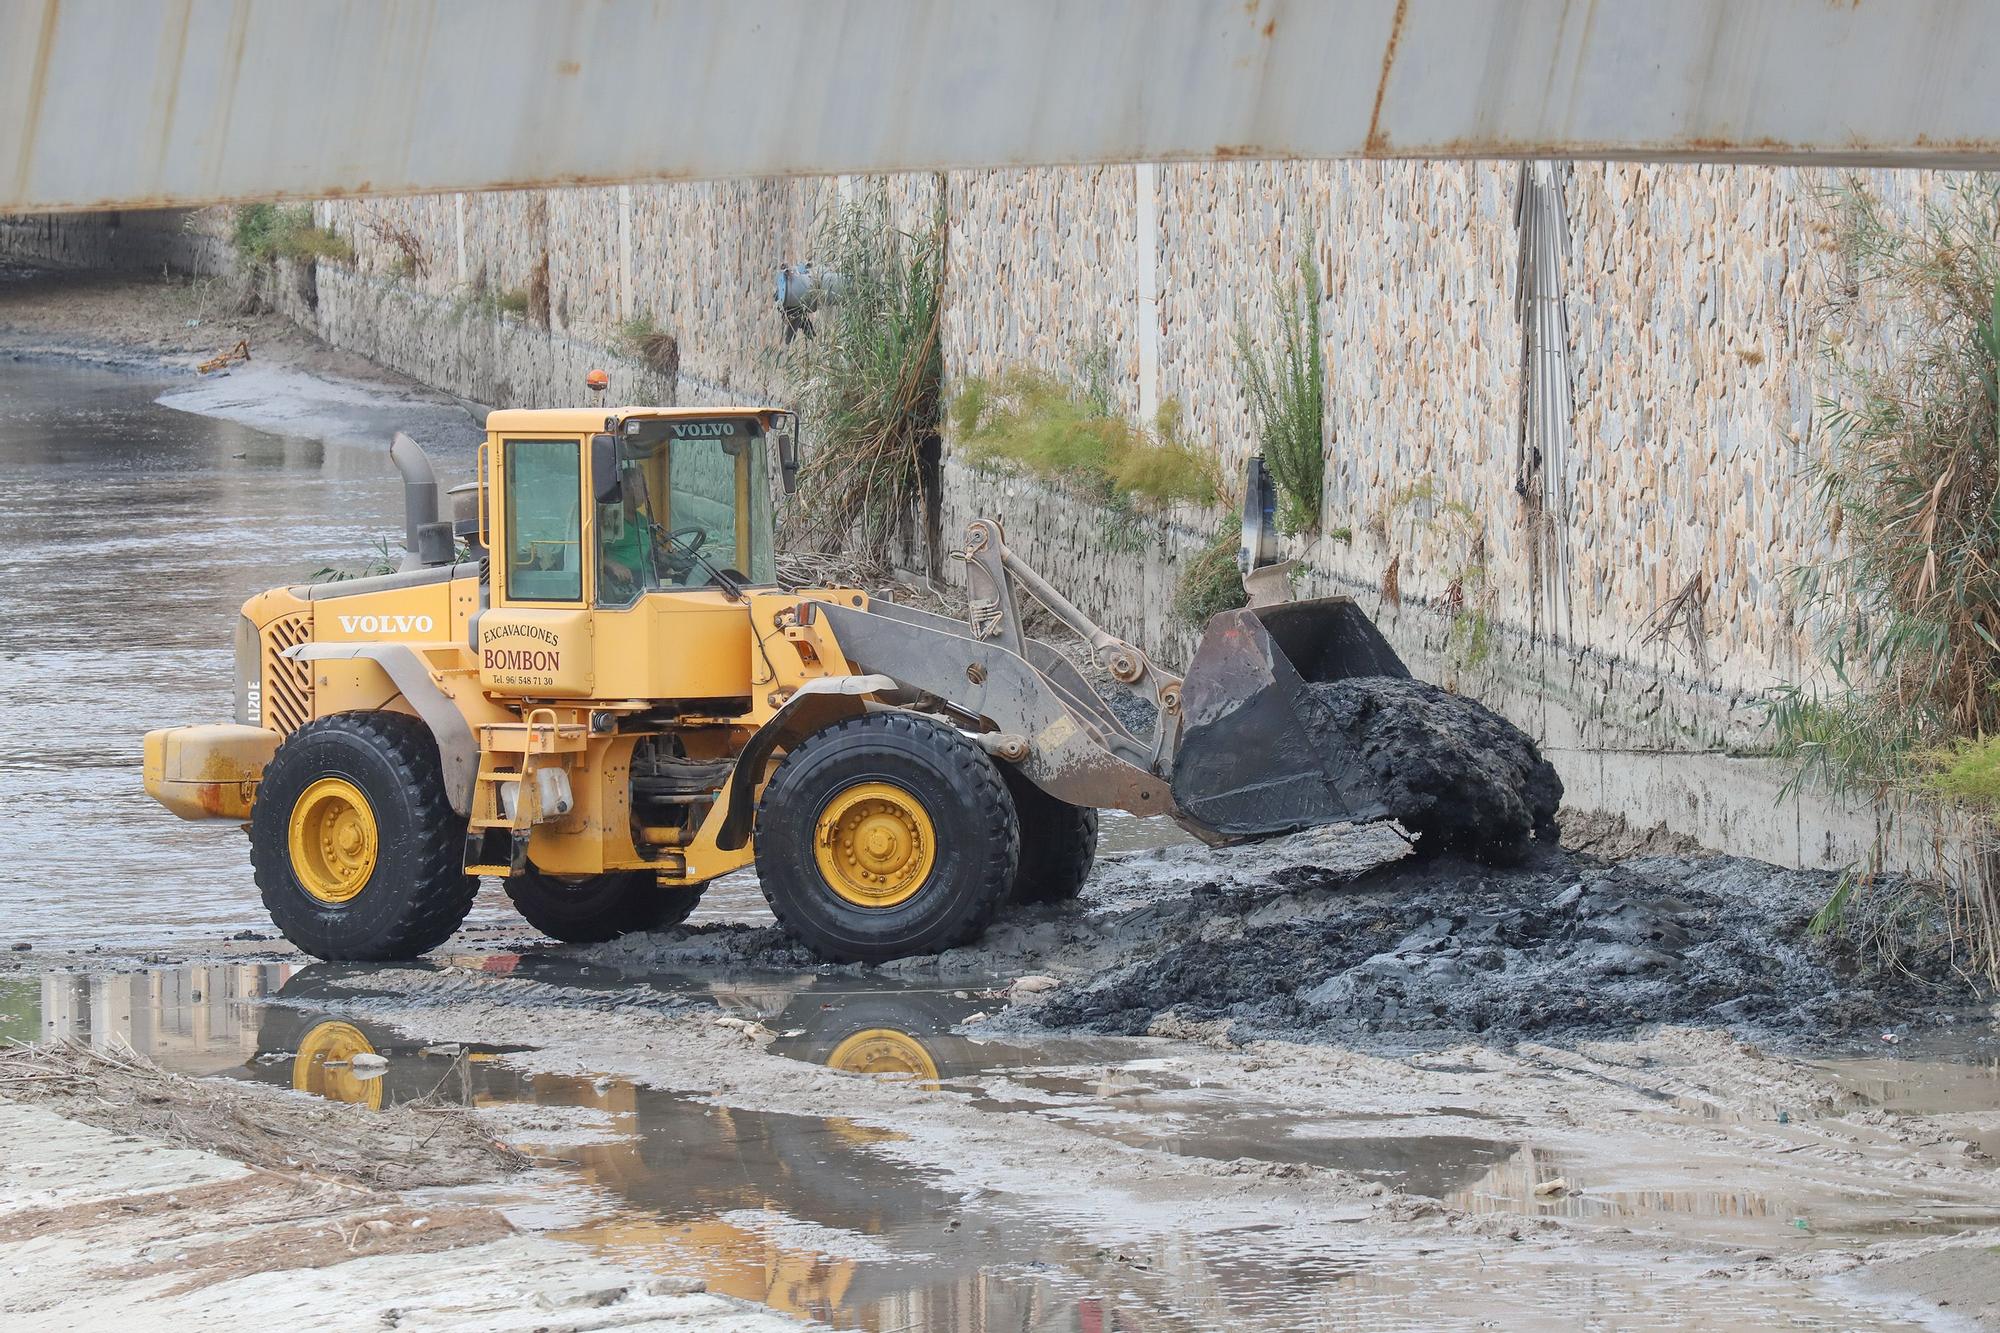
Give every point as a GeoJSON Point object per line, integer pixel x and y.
{"type": "Point", "coordinates": [1248, 765]}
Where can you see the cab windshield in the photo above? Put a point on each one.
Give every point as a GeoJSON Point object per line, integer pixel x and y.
{"type": "Point", "coordinates": [693, 493]}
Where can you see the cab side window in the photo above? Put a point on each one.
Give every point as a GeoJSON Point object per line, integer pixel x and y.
{"type": "Point", "coordinates": [544, 520]}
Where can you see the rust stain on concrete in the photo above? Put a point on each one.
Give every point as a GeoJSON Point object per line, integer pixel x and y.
{"type": "Point", "coordinates": [1377, 142]}
{"type": "Point", "coordinates": [38, 84]}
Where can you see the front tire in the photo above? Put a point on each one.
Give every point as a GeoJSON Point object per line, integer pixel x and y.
{"type": "Point", "coordinates": [1058, 843]}
{"type": "Point", "coordinates": [591, 909]}
{"type": "Point", "coordinates": [883, 836]}
{"type": "Point", "coordinates": [354, 843]}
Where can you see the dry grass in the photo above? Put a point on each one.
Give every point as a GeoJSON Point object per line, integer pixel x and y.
{"type": "Point", "coordinates": [316, 1239]}
{"type": "Point", "coordinates": [413, 259]}
{"type": "Point", "coordinates": [1907, 603]}
{"type": "Point", "coordinates": [1210, 582]}
{"type": "Point", "coordinates": [657, 348]}
{"type": "Point", "coordinates": [868, 384]}
{"type": "Point", "coordinates": [412, 1144]}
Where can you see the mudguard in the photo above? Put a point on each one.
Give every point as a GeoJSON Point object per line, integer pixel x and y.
{"type": "Point", "coordinates": [458, 746]}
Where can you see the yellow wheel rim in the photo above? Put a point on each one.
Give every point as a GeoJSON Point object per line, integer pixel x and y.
{"type": "Point", "coordinates": [338, 1042]}
{"type": "Point", "coordinates": [333, 840]}
{"type": "Point", "coordinates": [875, 844]}
{"type": "Point", "coordinates": [885, 1051]}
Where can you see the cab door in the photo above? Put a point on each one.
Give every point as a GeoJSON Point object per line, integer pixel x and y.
{"type": "Point", "coordinates": [536, 640]}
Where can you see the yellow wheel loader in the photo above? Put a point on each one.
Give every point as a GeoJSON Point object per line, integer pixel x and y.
{"type": "Point", "coordinates": [610, 702]}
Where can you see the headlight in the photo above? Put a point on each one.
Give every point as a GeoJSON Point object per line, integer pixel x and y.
{"type": "Point", "coordinates": [249, 673]}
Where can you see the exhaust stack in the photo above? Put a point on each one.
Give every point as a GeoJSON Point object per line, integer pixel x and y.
{"type": "Point", "coordinates": [427, 541]}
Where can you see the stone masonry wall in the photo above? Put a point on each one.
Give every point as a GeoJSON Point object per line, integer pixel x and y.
{"type": "Point", "coordinates": [1688, 295]}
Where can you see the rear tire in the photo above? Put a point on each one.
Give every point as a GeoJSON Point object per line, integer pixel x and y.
{"type": "Point", "coordinates": [354, 843]}
{"type": "Point", "coordinates": [1058, 842]}
{"type": "Point", "coordinates": [886, 835]}
{"type": "Point", "coordinates": [594, 908]}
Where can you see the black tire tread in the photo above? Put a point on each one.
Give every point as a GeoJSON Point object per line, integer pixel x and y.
{"type": "Point", "coordinates": [440, 890]}
{"type": "Point", "coordinates": [639, 905]}
{"type": "Point", "coordinates": [1057, 854]}
{"type": "Point", "coordinates": [979, 776]}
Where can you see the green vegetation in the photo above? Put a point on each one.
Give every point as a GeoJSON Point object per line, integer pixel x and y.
{"type": "Point", "coordinates": [1969, 771]}
{"type": "Point", "coordinates": [387, 560]}
{"type": "Point", "coordinates": [1287, 392]}
{"type": "Point", "coordinates": [658, 348]}
{"type": "Point", "coordinates": [1070, 432]}
{"type": "Point", "coordinates": [1907, 605]}
{"type": "Point", "coordinates": [1470, 640]}
{"type": "Point", "coordinates": [482, 299]}
{"type": "Point", "coordinates": [1467, 597]}
{"type": "Point", "coordinates": [869, 380]}
{"type": "Point", "coordinates": [1211, 583]}
{"type": "Point", "coordinates": [266, 232]}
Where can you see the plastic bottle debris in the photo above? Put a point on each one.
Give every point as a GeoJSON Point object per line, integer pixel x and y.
{"type": "Point", "coordinates": [743, 1025]}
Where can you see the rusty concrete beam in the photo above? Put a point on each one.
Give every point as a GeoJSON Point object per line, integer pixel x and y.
{"type": "Point", "coordinates": [144, 103]}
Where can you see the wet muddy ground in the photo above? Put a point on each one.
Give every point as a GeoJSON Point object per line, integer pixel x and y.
{"type": "Point", "coordinates": [856, 1150]}
{"type": "Point", "coordinates": [1304, 1085]}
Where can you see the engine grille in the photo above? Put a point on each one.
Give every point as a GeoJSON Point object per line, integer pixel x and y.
{"type": "Point", "coordinates": [287, 693]}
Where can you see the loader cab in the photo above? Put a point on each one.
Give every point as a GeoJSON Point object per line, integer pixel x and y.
{"type": "Point", "coordinates": [620, 544]}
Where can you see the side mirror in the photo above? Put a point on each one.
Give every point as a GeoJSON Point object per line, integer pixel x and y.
{"type": "Point", "coordinates": [788, 457]}
{"type": "Point", "coordinates": [604, 483]}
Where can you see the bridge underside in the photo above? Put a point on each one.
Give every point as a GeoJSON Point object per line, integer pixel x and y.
{"type": "Point", "coordinates": [150, 103]}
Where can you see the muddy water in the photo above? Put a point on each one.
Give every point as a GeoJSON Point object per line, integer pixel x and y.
{"type": "Point", "coordinates": [130, 533]}
{"type": "Point", "coordinates": [805, 1215]}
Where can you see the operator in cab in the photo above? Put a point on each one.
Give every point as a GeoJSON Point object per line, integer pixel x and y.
{"type": "Point", "coordinates": [625, 544]}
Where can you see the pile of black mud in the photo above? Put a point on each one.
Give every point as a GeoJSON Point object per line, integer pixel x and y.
{"type": "Point", "coordinates": [1565, 946]}
{"type": "Point", "coordinates": [1449, 769]}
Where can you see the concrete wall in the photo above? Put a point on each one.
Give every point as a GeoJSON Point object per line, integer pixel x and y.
{"type": "Point", "coordinates": [1689, 296]}
{"type": "Point", "coordinates": [141, 241]}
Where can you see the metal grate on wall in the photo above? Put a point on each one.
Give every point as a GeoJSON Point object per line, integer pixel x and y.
{"type": "Point", "coordinates": [287, 693]}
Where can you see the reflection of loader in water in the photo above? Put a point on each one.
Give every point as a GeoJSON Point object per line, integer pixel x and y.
{"type": "Point", "coordinates": [705, 1189]}
{"type": "Point", "coordinates": [739, 1198]}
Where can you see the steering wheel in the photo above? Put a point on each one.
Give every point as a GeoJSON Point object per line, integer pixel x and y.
{"type": "Point", "coordinates": [682, 546]}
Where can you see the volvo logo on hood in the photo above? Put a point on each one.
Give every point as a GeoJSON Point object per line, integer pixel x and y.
{"type": "Point", "coordinates": [385, 624]}
{"type": "Point", "coordinates": [703, 430]}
